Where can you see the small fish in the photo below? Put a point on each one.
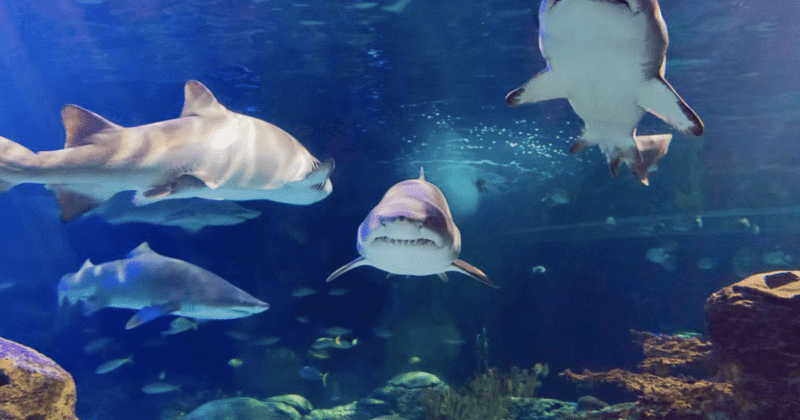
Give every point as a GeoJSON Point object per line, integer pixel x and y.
{"type": "Point", "coordinates": [611, 222]}
{"type": "Point", "coordinates": [338, 291]}
{"type": "Point", "coordinates": [340, 344]}
{"type": "Point", "coordinates": [235, 363]}
{"type": "Point", "coordinates": [310, 373]}
{"type": "Point", "coordinates": [265, 340]}
{"type": "Point", "coordinates": [7, 284]}
{"type": "Point", "coordinates": [776, 258]}
{"type": "Point", "coordinates": [97, 345]}
{"type": "Point", "coordinates": [302, 319]}
{"type": "Point", "coordinates": [162, 375]}
{"type": "Point", "coordinates": [706, 263]}
{"type": "Point", "coordinates": [323, 343]}
{"type": "Point", "coordinates": [454, 341]}
{"type": "Point", "coordinates": [744, 223]}
{"type": "Point", "coordinates": [539, 269]}
{"type": "Point", "coordinates": [179, 325]}
{"type": "Point", "coordinates": [113, 365]}
{"type": "Point", "coordinates": [334, 331]}
{"type": "Point", "coordinates": [414, 360]}
{"type": "Point", "coordinates": [319, 354]}
{"type": "Point", "coordinates": [160, 388]}
{"type": "Point", "coordinates": [556, 197]}
{"type": "Point", "coordinates": [303, 292]}
{"type": "Point", "coordinates": [382, 332]}
{"type": "Point", "coordinates": [237, 335]}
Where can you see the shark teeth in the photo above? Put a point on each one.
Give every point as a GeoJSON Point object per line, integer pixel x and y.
{"type": "Point", "coordinates": [409, 242]}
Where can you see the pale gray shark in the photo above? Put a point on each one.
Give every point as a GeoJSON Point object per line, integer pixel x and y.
{"type": "Point", "coordinates": [208, 152]}
{"type": "Point", "coordinates": [191, 214]}
{"type": "Point", "coordinates": [155, 285]}
{"type": "Point", "coordinates": [411, 232]}
{"type": "Point", "coordinates": [607, 57]}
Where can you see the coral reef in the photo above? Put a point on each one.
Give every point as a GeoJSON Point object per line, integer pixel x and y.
{"type": "Point", "coordinates": [661, 395]}
{"type": "Point", "coordinates": [754, 325]}
{"type": "Point", "coordinates": [32, 386]}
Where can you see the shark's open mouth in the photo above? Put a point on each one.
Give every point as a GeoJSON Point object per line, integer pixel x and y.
{"type": "Point", "coordinates": [410, 242]}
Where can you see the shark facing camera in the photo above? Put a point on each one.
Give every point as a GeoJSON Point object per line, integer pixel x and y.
{"type": "Point", "coordinates": [208, 152]}
{"type": "Point", "coordinates": [155, 286]}
{"type": "Point", "coordinates": [411, 232]}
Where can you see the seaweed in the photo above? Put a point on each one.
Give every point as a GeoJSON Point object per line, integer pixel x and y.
{"type": "Point", "coordinates": [487, 397]}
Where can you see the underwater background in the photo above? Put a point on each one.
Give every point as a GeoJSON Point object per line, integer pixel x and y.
{"type": "Point", "coordinates": [385, 88]}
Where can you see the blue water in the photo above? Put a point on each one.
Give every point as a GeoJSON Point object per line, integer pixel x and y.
{"type": "Point", "coordinates": [385, 93]}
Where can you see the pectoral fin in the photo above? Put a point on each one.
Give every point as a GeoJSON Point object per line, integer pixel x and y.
{"type": "Point", "coordinates": [149, 313]}
{"type": "Point", "coordinates": [542, 87]}
{"type": "Point", "coordinates": [658, 97]}
{"type": "Point", "coordinates": [358, 262]}
{"type": "Point", "coordinates": [464, 267]}
{"type": "Point", "coordinates": [176, 185]}
{"type": "Point", "coordinates": [73, 205]}
{"type": "Point", "coordinates": [443, 277]}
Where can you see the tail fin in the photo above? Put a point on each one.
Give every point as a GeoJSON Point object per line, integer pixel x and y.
{"type": "Point", "coordinates": [640, 158]}
{"type": "Point", "coordinates": [14, 158]}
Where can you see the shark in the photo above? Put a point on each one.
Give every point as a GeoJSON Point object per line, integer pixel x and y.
{"type": "Point", "coordinates": [411, 232]}
{"type": "Point", "coordinates": [155, 286]}
{"type": "Point", "coordinates": [607, 58]}
{"type": "Point", "coordinates": [190, 214]}
{"type": "Point", "coordinates": [207, 152]}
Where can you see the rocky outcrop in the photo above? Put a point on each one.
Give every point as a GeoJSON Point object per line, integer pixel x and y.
{"type": "Point", "coordinates": [400, 399]}
{"type": "Point", "coordinates": [32, 386]}
{"type": "Point", "coordinates": [246, 409]}
{"type": "Point", "coordinates": [754, 326]}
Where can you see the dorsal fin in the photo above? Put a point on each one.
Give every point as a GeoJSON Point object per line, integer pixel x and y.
{"type": "Point", "coordinates": [142, 249]}
{"type": "Point", "coordinates": [421, 173]}
{"type": "Point", "coordinates": [80, 124]}
{"type": "Point", "coordinates": [86, 265]}
{"type": "Point", "coordinates": [199, 100]}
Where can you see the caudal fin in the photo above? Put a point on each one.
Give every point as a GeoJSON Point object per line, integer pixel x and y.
{"type": "Point", "coordinates": [14, 158]}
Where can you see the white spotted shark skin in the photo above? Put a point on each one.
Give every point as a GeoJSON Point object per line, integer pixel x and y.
{"type": "Point", "coordinates": [607, 57]}
{"type": "Point", "coordinates": [208, 152]}
{"type": "Point", "coordinates": [411, 232]}
{"type": "Point", "coordinates": [154, 286]}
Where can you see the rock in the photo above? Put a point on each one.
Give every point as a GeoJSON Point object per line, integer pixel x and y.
{"type": "Point", "coordinates": [539, 409]}
{"type": "Point", "coordinates": [590, 403]}
{"type": "Point", "coordinates": [295, 401]}
{"type": "Point", "coordinates": [243, 409]}
{"type": "Point", "coordinates": [753, 325]}
{"type": "Point", "coordinates": [403, 394]}
{"type": "Point", "coordinates": [32, 386]}
{"type": "Point", "coordinates": [342, 412]}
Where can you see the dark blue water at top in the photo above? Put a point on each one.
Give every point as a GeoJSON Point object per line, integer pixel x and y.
{"type": "Point", "coordinates": [385, 93]}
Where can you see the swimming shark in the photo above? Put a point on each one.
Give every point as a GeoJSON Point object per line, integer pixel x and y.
{"type": "Point", "coordinates": [208, 152]}
{"type": "Point", "coordinates": [155, 285]}
{"type": "Point", "coordinates": [191, 214]}
{"type": "Point", "coordinates": [411, 232]}
{"type": "Point", "coordinates": [607, 57]}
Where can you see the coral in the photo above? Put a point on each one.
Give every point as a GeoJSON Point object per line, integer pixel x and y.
{"type": "Point", "coordinates": [487, 397]}
{"type": "Point", "coordinates": [662, 397]}
{"type": "Point", "coordinates": [664, 353]}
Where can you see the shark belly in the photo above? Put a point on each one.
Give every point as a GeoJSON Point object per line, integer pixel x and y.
{"type": "Point", "coordinates": [413, 260]}
{"type": "Point", "coordinates": [603, 65]}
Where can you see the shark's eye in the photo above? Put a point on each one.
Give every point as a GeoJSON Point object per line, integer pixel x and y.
{"type": "Point", "coordinates": [623, 2]}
